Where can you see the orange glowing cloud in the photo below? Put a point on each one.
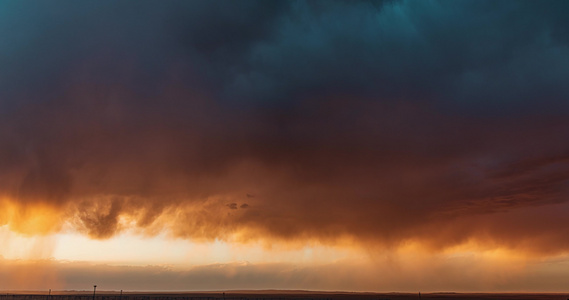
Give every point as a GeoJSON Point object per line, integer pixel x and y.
{"type": "Point", "coordinates": [401, 173]}
{"type": "Point", "coordinates": [31, 219]}
{"type": "Point", "coordinates": [358, 126]}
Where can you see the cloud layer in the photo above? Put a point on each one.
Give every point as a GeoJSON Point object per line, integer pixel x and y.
{"type": "Point", "coordinates": [377, 122]}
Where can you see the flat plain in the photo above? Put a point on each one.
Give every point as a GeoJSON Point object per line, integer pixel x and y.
{"type": "Point", "coordinates": [272, 294]}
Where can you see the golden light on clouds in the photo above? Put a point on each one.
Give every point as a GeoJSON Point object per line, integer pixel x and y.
{"type": "Point", "coordinates": [164, 258]}
{"type": "Point", "coordinates": [161, 262]}
{"type": "Point", "coordinates": [30, 218]}
{"type": "Point", "coordinates": [354, 145]}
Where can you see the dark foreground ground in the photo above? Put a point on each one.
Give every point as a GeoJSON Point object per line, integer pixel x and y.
{"type": "Point", "coordinates": [265, 295]}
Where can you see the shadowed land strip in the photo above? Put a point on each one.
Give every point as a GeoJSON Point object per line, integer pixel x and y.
{"type": "Point", "coordinates": [266, 295]}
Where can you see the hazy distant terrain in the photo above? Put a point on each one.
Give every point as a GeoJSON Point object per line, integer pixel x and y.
{"type": "Point", "coordinates": [244, 295]}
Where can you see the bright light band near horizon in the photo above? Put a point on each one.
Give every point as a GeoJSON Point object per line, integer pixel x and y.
{"type": "Point", "coordinates": [356, 145]}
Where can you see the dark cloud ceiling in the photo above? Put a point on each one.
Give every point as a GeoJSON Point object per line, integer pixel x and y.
{"type": "Point", "coordinates": [383, 121]}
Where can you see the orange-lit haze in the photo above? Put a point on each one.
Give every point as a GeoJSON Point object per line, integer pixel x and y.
{"type": "Point", "coordinates": [317, 145]}
{"type": "Point", "coordinates": [44, 247]}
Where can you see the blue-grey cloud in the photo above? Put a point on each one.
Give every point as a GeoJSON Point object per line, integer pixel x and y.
{"type": "Point", "coordinates": [362, 118]}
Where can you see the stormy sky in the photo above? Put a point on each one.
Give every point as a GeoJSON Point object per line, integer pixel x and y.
{"type": "Point", "coordinates": [367, 123]}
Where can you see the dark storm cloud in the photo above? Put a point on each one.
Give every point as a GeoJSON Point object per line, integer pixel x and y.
{"type": "Point", "coordinates": [382, 121]}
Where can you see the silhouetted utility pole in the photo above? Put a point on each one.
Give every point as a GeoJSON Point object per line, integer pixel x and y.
{"type": "Point", "coordinates": [94, 289]}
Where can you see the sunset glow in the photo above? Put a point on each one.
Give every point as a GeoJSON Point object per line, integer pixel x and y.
{"type": "Point", "coordinates": [384, 146]}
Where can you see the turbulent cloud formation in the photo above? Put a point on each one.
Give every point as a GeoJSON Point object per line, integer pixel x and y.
{"type": "Point", "coordinates": [379, 122]}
